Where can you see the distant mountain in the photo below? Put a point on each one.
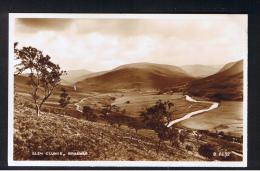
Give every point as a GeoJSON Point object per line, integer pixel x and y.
{"type": "Point", "coordinates": [224, 85]}
{"type": "Point", "coordinates": [136, 75]}
{"type": "Point", "coordinates": [152, 66]}
{"type": "Point", "coordinates": [73, 76]}
{"type": "Point", "coordinates": [201, 70]}
{"type": "Point", "coordinates": [227, 66]}
{"type": "Point", "coordinates": [93, 74]}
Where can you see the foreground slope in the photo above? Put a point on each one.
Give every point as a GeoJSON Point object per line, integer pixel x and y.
{"type": "Point", "coordinates": [137, 75]}
{"type": "Point", "coordinates": [57, 133]}
{"type": "Point", "coordinates": [225, 85]}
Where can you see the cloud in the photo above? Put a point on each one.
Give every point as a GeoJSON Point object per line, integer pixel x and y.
{"type": "Point", "coordinates": [102, 44]}
{"type": "Point", "coordinates": [41, 24]}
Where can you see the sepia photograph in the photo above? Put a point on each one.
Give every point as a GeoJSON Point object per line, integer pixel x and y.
{"type": "Point", "coordinates": [128, 90]}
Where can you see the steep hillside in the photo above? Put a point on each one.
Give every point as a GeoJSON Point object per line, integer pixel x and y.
{"type": "Point", "coordinates": [227, 66]}
{"type": "Point", "coordinates": [93, 74]}
{"type": "Point", "coordinates": [73, 76]}
{"type": "Point", "coordinates": [138, 75]}
{"type": "Point", "coordinates": [225, 85]}
{"type": "Point", "coordinates": [201, 70]}
{"type": "Point", "coordinates": [96, 141]}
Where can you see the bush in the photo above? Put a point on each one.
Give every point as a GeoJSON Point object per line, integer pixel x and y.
{"type": "Point", "coordinates": [189, 147]}
{"type": "Point", "coordinates": [64, 99]}
{"type": "Point", "coordinates": [110, 109]}
{"type": "Point", "coordinates": [183, 136]}
{"type": "Point", "coordinates": [221, 133]}
{"type": "Point", "coordinates": [174, 137]}
{"type": "Point", "coordinates": [118, 118]}
{"type": "Point", "coordinates": [207, 150]}
{"type": "Point", "coordinates": [135, 124]}
{"type": "Point", "coordinates": [88, 112]}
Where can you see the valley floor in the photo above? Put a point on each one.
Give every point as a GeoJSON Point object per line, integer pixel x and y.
{"type": "Point", "coordinates": [62, 136]}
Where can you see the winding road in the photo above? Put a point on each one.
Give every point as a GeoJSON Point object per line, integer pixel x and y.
{"type": "Point", "coordinates": [78, 107]}
{"type": "Point", "coordinates": [214, 105]}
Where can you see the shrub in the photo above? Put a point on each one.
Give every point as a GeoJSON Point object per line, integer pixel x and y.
{"type": "Point", "coordinates": [221, 133]}
{"type": "Point", "coordinates": [118, 118]}
{"type": "Point", "coordinates": [88, 113]}
{"type": "Point", "coordinates": [207, 150]}
{"type": "Point", "coordinates": [189, 147]}
{"type": "Point", "coordinates": [174, 137]}
{"type": "Point", "coordinates": [109, 109]}
{"type": "Point", "coordinates": [183, 136]}
{"type": "Point", "coordinates": [135, 124]}
{"type": "Point", "coordinates": [64, 99]}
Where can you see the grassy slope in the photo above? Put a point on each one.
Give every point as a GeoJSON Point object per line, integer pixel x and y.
{"type": "Point", "coordinates": [73, 76]}
{"type": "Point", "coordinates": [201, 70]}
{"type": "Point", "coordinates": [57, 133]}
{"type": "Point", "coordinates": [140, 75]}
{"type": "Point", "coordinates": [225, 85]}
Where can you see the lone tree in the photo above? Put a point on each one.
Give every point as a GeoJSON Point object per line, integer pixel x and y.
{"type": "Point", "coordinates": [64, 99]}
{"type": "Point", "coordinates": [157, 117]}
{"type": "Point", "coordinates": [44, 75]}
{"type": "Point", "coordinates": [158, 114]}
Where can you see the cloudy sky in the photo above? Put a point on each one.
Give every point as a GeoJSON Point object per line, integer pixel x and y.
{"type": "Point", "coordinates": [98, 44]}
